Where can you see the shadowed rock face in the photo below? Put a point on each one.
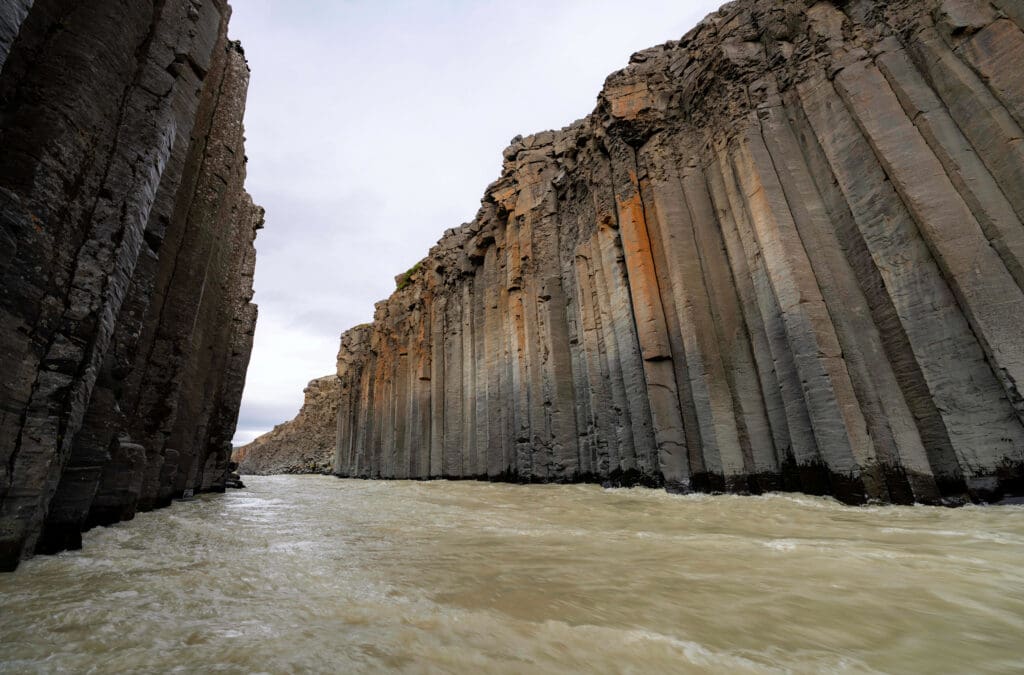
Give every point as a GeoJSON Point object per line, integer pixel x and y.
{"type": "Point", "coordinates": [784, 252]}
{"type": "Point", "coordinates": [126, 261]}
{"type": "Point", "coordinates": [303, 445]}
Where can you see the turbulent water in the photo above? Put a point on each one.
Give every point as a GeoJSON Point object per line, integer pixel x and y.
{"type": "Point", "coordinates": [299, 574]}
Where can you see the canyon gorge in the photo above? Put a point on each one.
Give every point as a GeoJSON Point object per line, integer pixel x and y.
{"type": "Point", "coordinates": [667, 403]}
{"type": "Point", "coordinates": [785, 252]}
{"type": "Point", "coordinates": [126, 262]}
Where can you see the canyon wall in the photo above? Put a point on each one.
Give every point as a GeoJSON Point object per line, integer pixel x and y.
{"type": "Point", "coordinates": [303, 445]}
{"type": "Point", "coordinates": [785, 252]}
{"type": "Point", "coordinates": [126, 261]}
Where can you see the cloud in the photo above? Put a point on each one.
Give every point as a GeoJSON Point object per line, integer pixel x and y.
{"type": "Point", "coordinates": [374, 126]}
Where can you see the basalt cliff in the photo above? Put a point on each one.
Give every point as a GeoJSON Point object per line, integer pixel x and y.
{"type": "Point", "coordinates": [126, 261]}
{"type": "Point", "coordinates": [785, 252]}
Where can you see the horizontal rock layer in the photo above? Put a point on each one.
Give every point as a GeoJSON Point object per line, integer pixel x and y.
{"type": "Point", "coordinates": [126, 262]}
{"type": "Point", "coordinates": [785, 252]}
{"type": "Point", "coordinates": [303, 445]}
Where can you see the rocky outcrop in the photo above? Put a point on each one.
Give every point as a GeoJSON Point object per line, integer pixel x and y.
{"type": "Point", "coordinates": [303, 445]}
{"type": "Point", "coordinates": [784, 252]}
{"type": "Point", "coordinates": [126, 262]}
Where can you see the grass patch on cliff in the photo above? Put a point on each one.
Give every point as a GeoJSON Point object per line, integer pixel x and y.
{"type": "Point", "coordinates": [407, 277]}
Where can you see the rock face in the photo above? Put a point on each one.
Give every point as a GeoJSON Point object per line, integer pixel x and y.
{"type": "Point", "coordinates": [126, 261]}
{"type": "Point", "coordinates": [784, 252]}
{"type": "Point", "coordinates": [303, 445]}
{"type": "Point", "coordinates": [11, 15]}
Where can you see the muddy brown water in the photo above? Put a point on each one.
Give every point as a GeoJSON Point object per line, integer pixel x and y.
{"type": "Point", "coordinates": [314, 574]}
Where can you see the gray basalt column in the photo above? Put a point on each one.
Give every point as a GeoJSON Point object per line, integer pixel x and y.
{"type": "Point", "coordinates": [554, 350]}
{"type": "Point", "coordinates": [242, 334]}
{"type": "Point", "coordinates": [988, 296]}
{"type": "Point", "coordinates": [420, 421]}
{"type": "Point", "coordinates": [649, 321]}
{"type": "Point", "coordinates": [162, 357]}
{"type": "Point", "coordinates": [361, 466]}
{"type": "Point", "coordinates": [401, 413]}
{"type": "Point", "coordinates": [739, 317]}
{"type": "Point", "coordinates": [200, 318]}
{"type": "Point", "coordinates": [715, 393]}
{"type": "Point", "coordinates": [383, 380]}
{"type": "Point", "coordinates": [977, 416]}
{"type": "Point", "coordinates": [469, 451]}
{"type": "Point", "coordinates": [622, 446]}
{"type": "Point", "coordinates": [993, 133]}
{"type": "Point", "coordinates": [837, 420]}
{"type": "Point", "coordinates": [12, 14]}
{"type": "Point", "coordinates": [494, 328]}
{"type": "Point", "coordinates": [437, 385]}
{"type": "Point", "coordinates": [451, 466]}
{"type": "Point", "coordinates": [598, 387]}
{"type": "Point", "coordinates": [659, 222]}
{"type": "Point", "coordinates": [889, 419]}
{"type": "Point", "coordinates": [764, 316]}
{"type": "Point", "coordinates": [108, 138]}
{"type": "Point", "coordinates": [618, 316]}
{"type": "Point", "coordinates": [562, 393]}
{"type": "Point", "coordinates": [712, 405]}
{"type": "Point", "coordinates": [997, 54]}
{"type": "Point", "coordinates": [508, 365]}
{"type": "Point", "coordinates": [389, 370]}
{"type": "Point", "coordinates": [960, 161]}
{"type": "Point", "coordinates": [520, 451]}
{"type": "Point", "coordinates": [539, 439]}
{"type": "Point", "coordinates": [481, 368]}
{"type": "Point", "coordinates": [756, 396]}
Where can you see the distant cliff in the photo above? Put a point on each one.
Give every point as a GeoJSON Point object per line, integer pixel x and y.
{"type": "Point", "coordinates": [126, 261]}
{"type": "Point", "coordinates": [303, 445]}
{"type": "Point", "coordinates": [784, 252]}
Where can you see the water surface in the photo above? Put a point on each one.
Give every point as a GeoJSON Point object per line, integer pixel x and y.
{"type": "Point", "coordinates": [310, 573]}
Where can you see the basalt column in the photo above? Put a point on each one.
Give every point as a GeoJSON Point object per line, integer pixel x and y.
{"type": "Point", "coordinates": [784, 252]}
{"type": "Point", "coordinates": [122, 137]}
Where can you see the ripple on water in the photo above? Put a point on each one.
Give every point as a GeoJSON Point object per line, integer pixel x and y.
{"type": "Point", "coordinates": [309, 573]}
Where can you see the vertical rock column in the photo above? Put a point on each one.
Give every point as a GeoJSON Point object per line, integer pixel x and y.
{"type": "Point", "coordinates": [97, 166]}
{"type": "Point", "coordinates": [81, 166]}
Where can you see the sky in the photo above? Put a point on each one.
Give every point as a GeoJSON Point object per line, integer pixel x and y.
{"type": "Point", "coordinates": [372, 126]}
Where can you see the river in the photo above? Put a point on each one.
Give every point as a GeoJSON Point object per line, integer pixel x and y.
{"type": "Point", "coordinates": [314, 574]}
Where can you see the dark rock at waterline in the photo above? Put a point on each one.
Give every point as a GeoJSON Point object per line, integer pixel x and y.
{"type": "Point", "coordinates": [126, 261]}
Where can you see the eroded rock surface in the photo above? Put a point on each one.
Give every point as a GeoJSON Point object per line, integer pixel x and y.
{"type": "Point", "coordinates": [784, 252]}
{"type": "Point", "coordinates": [303, 445]}
{"type": "Point", "coordinates": [126, 261]}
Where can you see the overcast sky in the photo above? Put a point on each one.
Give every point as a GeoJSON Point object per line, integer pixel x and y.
{"type": "Point", "coordinates": [372, 126]}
